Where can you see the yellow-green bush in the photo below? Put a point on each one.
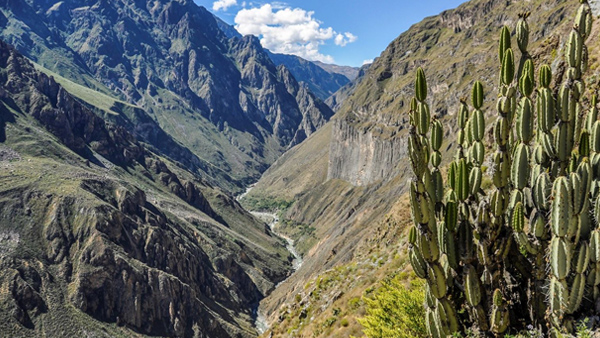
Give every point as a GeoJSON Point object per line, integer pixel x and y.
{"type": "Point", "coordinates": [395, 311]}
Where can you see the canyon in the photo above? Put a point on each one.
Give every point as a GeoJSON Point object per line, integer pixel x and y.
{"type": "Point", "coordinates": [127, 127]}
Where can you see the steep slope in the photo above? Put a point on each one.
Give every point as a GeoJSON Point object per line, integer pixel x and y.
{"type": "Point", "coordinates": [227, 29]}
{"type": "Point", "coordinates": [315, 113]}
{"type": "Point", "coordinates": [336, 100]}
{"type": "Point", "coordinates": [216, 96]}
{"type": "Point", "coordinates": [100, 236]}
{"type": "Point", "coordinates": [321, 82]}
{"type": "Point", "coordinates": [367, 167]}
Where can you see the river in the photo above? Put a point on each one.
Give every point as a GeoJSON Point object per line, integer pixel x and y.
{"type": "Point", "coordinates": [272, 219]}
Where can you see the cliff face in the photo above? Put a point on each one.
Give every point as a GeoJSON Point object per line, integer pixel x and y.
{"type": "Point", "coordinates": [372, 119]}
{"type": "Point", "coordinates": [362, 157]}
{"type": "Point", "coordinates": [101, 236]}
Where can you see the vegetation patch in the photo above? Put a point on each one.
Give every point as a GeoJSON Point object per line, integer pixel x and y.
{"type": "Point", "coordinates": [395, 310]}
{"type": "Point", "coordinates": [266, 204]}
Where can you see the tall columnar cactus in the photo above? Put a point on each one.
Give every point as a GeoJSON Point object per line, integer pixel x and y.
{"type": "Point", "coordinates": [426, 193]}
{"type": "Point", "coordinates": [527, 251]}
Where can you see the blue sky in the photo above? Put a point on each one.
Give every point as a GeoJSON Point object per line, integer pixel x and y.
{"type": "Point", "coordinates": [345, 32]}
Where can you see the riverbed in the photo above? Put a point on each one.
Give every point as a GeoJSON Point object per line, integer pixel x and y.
{"type": "Point", "coordinates": [272, 219]}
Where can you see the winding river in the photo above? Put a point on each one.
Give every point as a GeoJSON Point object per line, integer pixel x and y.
{"type": "Point", "coordinates": [272, 219]}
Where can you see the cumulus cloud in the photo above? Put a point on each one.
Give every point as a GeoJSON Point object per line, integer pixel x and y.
{"type": "Point", "coordinates": [367, 62]}
{"type": "Point", "coordinates": [344, 39]}
{"type": "Point", "coordinates": [223, 4]}
{"type": "Point", "coordinates": [289, 30]}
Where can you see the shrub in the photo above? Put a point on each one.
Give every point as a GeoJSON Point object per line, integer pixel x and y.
{"type": "Point", "coordinates": [395, 311]}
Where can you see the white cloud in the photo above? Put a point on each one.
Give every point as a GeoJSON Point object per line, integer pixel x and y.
{"type": "Point", "coordinates": [223, 4]}
{"type": "Point", "coordinates": [367, 62]}
{"type": "Point", "coordinates": [344, 39]}
{"type": "Point", "coordinates": [279, 5]}
{"type": "Point", "coordinates": [289, 30]}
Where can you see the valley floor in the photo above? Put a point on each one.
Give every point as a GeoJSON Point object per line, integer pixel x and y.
{"type": "Point", "coordinates": [272, 220]}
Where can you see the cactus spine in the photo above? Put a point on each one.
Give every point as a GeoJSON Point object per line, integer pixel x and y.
{"type": "Point", "coordinates": [528, 250]}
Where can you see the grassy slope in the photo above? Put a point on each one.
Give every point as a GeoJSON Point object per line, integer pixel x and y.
{"type": "Point", "coordinates": [283, 183]}
{"type": "Point", "coordinates": [329, 304]}
{"type": "Point", "coordinates": [198, 133]}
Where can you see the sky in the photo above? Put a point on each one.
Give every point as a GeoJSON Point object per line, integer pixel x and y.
{"type": "Point", "coordinates": [343, 32]}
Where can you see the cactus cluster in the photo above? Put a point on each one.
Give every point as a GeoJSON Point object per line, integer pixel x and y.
{"type": "Point", "coordinates": [526, 251]}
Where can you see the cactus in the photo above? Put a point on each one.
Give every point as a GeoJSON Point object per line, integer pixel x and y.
{"type": "Point", "coordinates": [430, 233]}
{"type": "Point", "coordinates": [535, 227]}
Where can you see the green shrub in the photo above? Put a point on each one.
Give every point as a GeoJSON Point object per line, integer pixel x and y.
{"type": "Point", "coordinates": [395, 311]}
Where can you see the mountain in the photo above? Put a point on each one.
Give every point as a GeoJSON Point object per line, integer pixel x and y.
{"type": "Point", "coordinates": [227, 29]}
{"type": "Point", "coordinates": [349, 72]}
{"type": "Point", "coordinates": [125, 127]}
{"type": "Point", "coordinates": [215, 96]}
{"type": "Point", "coordinates": [101, 236]}
{"type": "Point", "coordinates": [349, 179]}
{"type": "Point", "coordinates": [336, 100]}
{"type": "Point", "coordinates": [321, 82]}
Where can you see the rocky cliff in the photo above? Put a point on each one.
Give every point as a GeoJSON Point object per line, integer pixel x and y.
{"type": "Point", "coordinates": [101, 236]}
{"type": "Point", "coordinates": [375, 109]}
{"type": "Point", "coordinates": [362, 157]}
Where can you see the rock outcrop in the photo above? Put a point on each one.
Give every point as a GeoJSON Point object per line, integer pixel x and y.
{"type": "Point", "coordinates": [362, 157]}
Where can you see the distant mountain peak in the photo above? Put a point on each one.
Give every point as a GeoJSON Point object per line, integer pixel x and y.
{"type": "Point", "coordinates": [350, 72]}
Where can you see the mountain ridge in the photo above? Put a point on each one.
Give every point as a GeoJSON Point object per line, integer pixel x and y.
{"type": "Point", "coordinates": [321, 81]}
{"type": "Point", "coordinates": [82, 202]}
{"type": "Point", "coordinates": [187, 76]}
{"type": "Point", "coordinates": [348, 71]}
